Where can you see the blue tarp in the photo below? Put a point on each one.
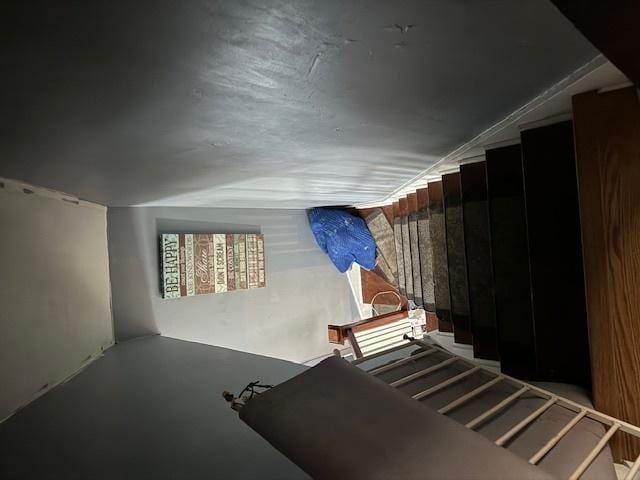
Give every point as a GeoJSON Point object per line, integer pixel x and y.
{"type": "Point", "coordinates": [344, 237]}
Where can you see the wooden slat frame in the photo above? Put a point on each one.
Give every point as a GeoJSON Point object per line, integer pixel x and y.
{"type": "Point", "coordinates": [366, 334]}
{"type": "Point", "coordinates": [581, 411]}
{"type": "Point", "coordinates": [402, 361]}
{"type": "Point", "coordinates": [385, 352]}
{"type": "Point", "coordinates": [400, 330]}
{"type": "Point", "coordinates": [422, 373]}
{"type": "Point", "coordinates": [445, 384]}
{"type": "Point", "coordinates": [525, 421]}
{"type": "Point", "coordinates": [556, 438]}
{"type": "Point", "coordinates": [564, 402]}
{"type": "Point", "coordinates": [470, 395]}
{"type": "Point", "coordinates": [594, 453]}
{"type": "Point", "coordinates": [483, 417]}
{"type": "Point", "coordinates": [385, 348]}
{"type": "Point", "coordinates": [382, 343]}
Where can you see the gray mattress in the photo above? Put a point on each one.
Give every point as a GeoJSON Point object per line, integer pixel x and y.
{"type": "Point", "coordinates": [337, 422]}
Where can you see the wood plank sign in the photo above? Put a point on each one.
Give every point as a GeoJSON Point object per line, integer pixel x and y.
{"type": "Point", "coordinates": [202, 263]}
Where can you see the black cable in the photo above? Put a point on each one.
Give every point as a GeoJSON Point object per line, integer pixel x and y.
{"type": "Point", "coordinates": [251, 388]}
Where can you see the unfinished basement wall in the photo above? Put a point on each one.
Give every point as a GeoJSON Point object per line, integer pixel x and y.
{"type": "Point", "coordinates": [55, 312]}
{"type": "Point", "coordinates": [288, 319]}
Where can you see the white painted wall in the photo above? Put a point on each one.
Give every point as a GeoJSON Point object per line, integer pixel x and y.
{"type": "Point", "coordinates": [55, 312]}
{"type": "Point", "coordinates": [288, 319]}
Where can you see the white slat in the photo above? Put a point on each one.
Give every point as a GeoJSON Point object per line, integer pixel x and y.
{"type": "Point", "coordinates": [446, 383]}
{"type": "Point", "coordinates": [383, 329]}
{"type": "Point", "coordinates": [562, 401]}
{"type": "Point", "coordinates": [468, 396]}
{"type": "Point", "coordinates": [524, 422]}
{"type": "Point", "coordinates": [594, 453]}
{"type": "Point", "coordinates": [392, 334]}
{"type": "Point", "coordinates": [633, 470]}
{"type": "Point", "coordinates": [383, 352]}
{"type": "Point", "coordinates": [558, 436]}
{"type": "Point", "coordinates": [402, 361]}
{"type": "Point", "coordinates": [381, 345]}
{"type": "Point", "coordinates": [388, 348]}
{"type": "Point", "coordinates": [581, 412]}
{"type": "Point", "coordinates": [496, 408]}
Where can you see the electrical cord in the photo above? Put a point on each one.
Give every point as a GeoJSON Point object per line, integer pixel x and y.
{"type": "Point", "coordinates": [251, 389]}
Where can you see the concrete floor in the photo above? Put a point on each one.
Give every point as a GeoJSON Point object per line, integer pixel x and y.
{"type": "Point", "coordinates": [151, 408]}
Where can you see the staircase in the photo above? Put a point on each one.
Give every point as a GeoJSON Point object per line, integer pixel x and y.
{"type": "Point", "coordinates": [493, 251]}
{"type": "Point", "coordinates": [557, 431]}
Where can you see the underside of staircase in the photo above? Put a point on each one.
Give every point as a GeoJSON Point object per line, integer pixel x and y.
{"type": "Point", "coordinates": [509, 250]}
{"type": "Point", "coordinates": [551, 425]}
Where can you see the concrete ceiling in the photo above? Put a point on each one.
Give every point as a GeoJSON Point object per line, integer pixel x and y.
{"type": "Point", "coordinates": [263, 103]}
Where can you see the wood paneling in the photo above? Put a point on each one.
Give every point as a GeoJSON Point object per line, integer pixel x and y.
{"type": "Point", "coordinates": [510, 255]}
{"type": "Point", "coordinates": [555, 254]}
{"type": "Point", "coordinates": [440, 267]}
{"type": "Point", "coordinates": [607, 130]}
{"type": "Point", "coordinates": [612, 26]}
{"type": "Point", "coordinates": [475, 206]}
{"type": "Point", "coordinates": [458, 283]}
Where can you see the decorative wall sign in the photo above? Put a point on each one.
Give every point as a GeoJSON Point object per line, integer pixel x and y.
{"type": "Point", "coordinates": [201, 263]}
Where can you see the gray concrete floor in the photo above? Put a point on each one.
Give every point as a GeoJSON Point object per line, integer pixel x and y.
{"type": "Point", "coordinates": [150, 408]}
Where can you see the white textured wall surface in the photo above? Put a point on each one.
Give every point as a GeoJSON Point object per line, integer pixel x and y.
{"type": "Point", "coordinates": [55, 312]}
{"type": "Point", "coordinates": [288, 319]}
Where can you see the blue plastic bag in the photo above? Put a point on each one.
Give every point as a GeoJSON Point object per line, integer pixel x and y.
{"type": "Point", "coordinates": [344, 237]}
